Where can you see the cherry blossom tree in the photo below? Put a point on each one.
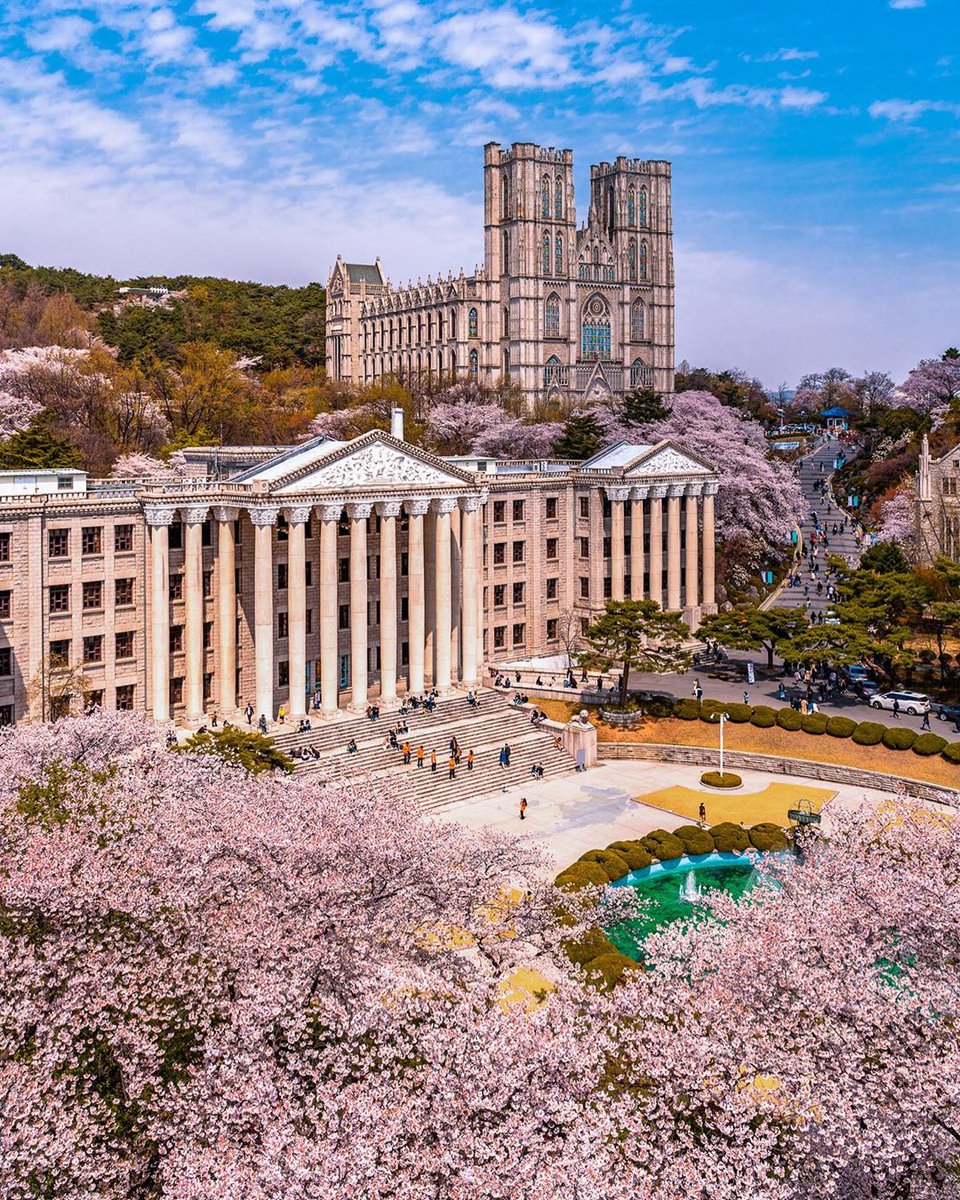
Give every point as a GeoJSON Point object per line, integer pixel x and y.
{"type": "Point", "coordinates": [932, 385]}
{"type": "Point", "coordinates": [898, 520]}
{"type": "Point", "coordinates": [140, 466]}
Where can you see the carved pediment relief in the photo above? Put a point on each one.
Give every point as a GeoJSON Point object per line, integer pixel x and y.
{"type": "Point", "coordinates": [374, 465]}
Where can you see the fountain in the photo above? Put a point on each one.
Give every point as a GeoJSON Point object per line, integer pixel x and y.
{"type": "Point", "coordinates": [690, 889]}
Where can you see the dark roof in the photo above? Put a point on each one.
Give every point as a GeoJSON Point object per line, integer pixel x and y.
{"type": "Point", "coordinates": [364, 273]}
{"type": "Point", "coordinates": [836, 411]}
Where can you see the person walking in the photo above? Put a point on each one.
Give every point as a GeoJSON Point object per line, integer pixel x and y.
{"type": "Point", "coordinates": [281, 714]}
{"type": "Point", "coordinates": [262, 725]}
{"type": "Point", "coordinates": [433, 762]}
{"type": "Point", "coordinates": [925, 723]}
{"type": "Point", "coordinates": [697, 691]}
{"type": "Point", "coordinates": [523, 808]}
{"type": "Point", "coordinates": [703, 812]}
{"type": "Point", "coordinates": [452, 764]}
{"type": "Point", "coordinates": [420, 756]}
{"type": "Point", "coordinates": [896, 708]}
{"type": "Point", "coordinates": [248, 713]}
{"type": "Point", "coordinates": [469, 760]}
{"type": "Point", "coordinates": [406, 753]}
{"type": "Point", "coordinates": [746, 697]}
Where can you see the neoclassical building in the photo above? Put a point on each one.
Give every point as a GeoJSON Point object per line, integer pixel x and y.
{"type": "Point", "coordinates": [566, 313]}
{"type": "Point", "coordinates": [355, 570]}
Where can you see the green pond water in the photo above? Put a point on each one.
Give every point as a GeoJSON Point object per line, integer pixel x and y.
{"type": "Point", "coordinates": [670, 895]}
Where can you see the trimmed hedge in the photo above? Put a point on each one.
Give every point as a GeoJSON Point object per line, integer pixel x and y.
{"type": "Point", "coordinates": [658, 707]}
{"type": "Point", "coordinates": [728, 837]}
{"type": "Point", "coordinates": [952, 752]}
{"type": "Point", "coordinates": [764, 717]}
{"type": "Point", "coordinates": [767, 836]}
{"type": "Point", "coordinates": [789, 719]}
{"type": "Point", "coordinates": [710, 708]}
{"type": "Point", "coordinates": [613, 864]}
{"type": "Point", "coordinates": [695, 840]}
{"type": "Point", "coordinates": [739, 714]}
{"type": "Point", "coordinates": [606, 970]}
{"type": "Point", "coordinates": [840, 727]}
{"type": "Point", "coordinates": [814, 723]}
{"type": "Point", "coordinates": [929, 743]}
{"type": "Point", "coordinates": [869, 733]}
{"type": "Point", "coordinates": [687, 710]}
{"type": "Point", "coordinates": [662, 845]}
{"type": "Point", "coordinates": [715, 780]}
{"type": "Point", "coordinates": [899, 739]}
{"type": "Point", "coordinates": [582, 874]}
{"type": "Point", "coordinates": [593, 943]}
{"type": "Point", "coordinates": [632, 853]}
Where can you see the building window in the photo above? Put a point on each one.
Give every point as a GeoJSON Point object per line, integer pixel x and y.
{"type": "Point", "coordinates": [473, 324]}
{"type": "Point", "coordinates": [6, 714]}
{"type": "Point", "coordinates": [60, 654]}
{"type": "Point", "coordinates": [505, 241]}
{"type": "Point", "coordinates": [499, 511]}
{"type": "Point", "coordinates": [595, 330]}
{"type": "Point", "coordinates": [558, 198]}
{"type": "Point", "coordinates": [6, 661]}
{"type": "Point", "coordinates": [553, 588]}
{"type": "Point", "coordinates": [558, 255]}
{"type": "Point", "coordinates": [552, 627]}
{"type": "Point", "coordinates": [499, 636]}
{"type": "Point", "coordinates": [91, 539]}
{"type": "Point", "coordinates": [474, 364]}
{"type": "Point", "coordinates": [122, 539]}
{"type": "Point", "coordinates": [551, 316]}
{"type": "Point", "coordinates": [637, 321]}
{"type": "Point", "coordinates": [584, 547]}
{"type": "Point", "coordinates": [309, 621]}
{"type": "Point", "coordinates": [175, 536]}
{"type": "Point", "coordinates": [551, 508]}
{"type": "Point", "coordinates": [343, 616]}
{"type": "Point", "coordinates": [584, 506]}
{"type": "Point", "coordinates": [632, 261]}
{"type": "Point", "coordinates": [607, 543]}
{"type": "Point", "coordinates": [176, 587]}
{"type": "Point", "coordinates": [640, 374]}
{"type": "Point", "coordinates": [282, 625]}
{"type": "Point", "coordinates": [642, 265]}
{"type": "Point", "coordinates": [60, 598]}
{"type": "Point", "coordinates": [545, 198]}
{"type": "Point", "coordinates": [518, 510]}
{"type": "Point", "coordinates": [584, 587]}
{"type": "Point", "coordinates": [631, 207]}
{"type": "Point", "coordinates": [551, 372]}
{"type": "Point", "coordinates": [519, 633]}
{"type": "Point", "coordinates": [123, 593]}
{"type": "Point", "coordinates": [499, 553]}
{"type": "Point", "coordinates": [123, 645]}
{"type": "Point", "coordinates": [281, 576]}
{"type": "Point", "coordinates": [207, 580]}
{"type": "Point", "coordinates": [553, 547]}
{"type": "Point", "coordinates": [176, 638]}
{"type": "Point", "coordinates": [343, 570]}
{"type": "Point", "coordinates": [607, 588]}
{"type": "Point", "coordinates": [518, 593]}
{"type": "Point", "coordinates": [518, 551]}
{"type": "Point", "coordinates": [125, 697]}
{"type": "Point", "coordinates": [5, 552]}
{"type": "Point", "coordinates": [643, 208]}
{"type": "Point", "coordinates": [93, 594]}
{"type": "Point", "coordinates": [58, 543]}
{"type": "Point", "coordinates": [176, 690]}
{"type": "Point", "coordinates": [93, 649]}
{"type": "Point", "coordinates": [283, 674]}
{"type": "Point", "coordinates": [94, 700]}
{"type": "Point", "coordinates": [499, 595]}
{"type": "Point", "coordinates": [545, 255]}
{"type": "Point", "coordinates": [308, 572]}
{"type": "Point", "coordinates": [6, 607]}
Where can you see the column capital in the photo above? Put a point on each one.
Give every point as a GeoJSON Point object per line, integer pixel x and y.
{"type": "Point", "coordinates": [694, 489]}
{"type": "Point", "coordinates": [658, 491]}
{"type": "Point", "coordinates": [472, 504]}
{"type": "Point", "coordinates": [639, 493]}
{"type": "Point", "coordinates": [264, 516]}
{"type": "Point", "coordinates": [298, 514]}
{"type": "Point", "coordinates": [225, 512]}
{"type": "Point", "coordinates": [389, 508]}
{"type": "Point", "coordinates": [330, 512]}
{"type": "Point", "coordinates": [618, 493]}
{"type": "Point", "coordinates": [359, 511]}
{"type": "Point", "coordinates": [711, 487]}
{"type": "Point", "coordinates": [676, 490]}
{"type": "Point", "coordinates": [196, 514]}
{"type": "Point", "coordinates": [444, 505]}
{"type": "Point", "coordinates": [159, 516]}
{"type": "Point", "coordinates": [417, 508]}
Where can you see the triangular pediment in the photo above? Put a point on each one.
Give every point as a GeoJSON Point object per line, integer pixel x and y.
{"type": "Point", "coordinates": [372, 461]}
{"type": "Point", "coordinates": [666, 458]}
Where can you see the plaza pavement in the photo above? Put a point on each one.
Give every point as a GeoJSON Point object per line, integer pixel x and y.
{"type": "Point", "coordinates": [588, 811]}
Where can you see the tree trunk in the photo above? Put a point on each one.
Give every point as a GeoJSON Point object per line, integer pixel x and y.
{"type": "Point", "coordinates": [769, 647]}
{"type": "Point", "coordinates": [624, 682]}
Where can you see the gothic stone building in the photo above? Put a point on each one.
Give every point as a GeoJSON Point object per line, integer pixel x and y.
{"type": "Point", "coordinates": [567, 314]}
{"type": "Point", "coordinates": [351, 569]}
{"type": "Point", "coordinates": [938, 504]}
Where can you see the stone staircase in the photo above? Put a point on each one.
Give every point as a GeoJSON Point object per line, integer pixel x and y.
{"type": "Point", "coordinates": [485, 730]}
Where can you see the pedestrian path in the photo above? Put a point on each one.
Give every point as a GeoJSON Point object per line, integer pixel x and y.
{"type": "Point", "coordinates": [484, 730]}
{"type": "Point", "coordinates": [814, 470]}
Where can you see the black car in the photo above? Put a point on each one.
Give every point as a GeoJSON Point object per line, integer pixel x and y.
{"type": "Point", "coordinates": [948, 712]}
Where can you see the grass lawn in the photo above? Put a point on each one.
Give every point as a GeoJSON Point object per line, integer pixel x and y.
{"type": "Point", "coordinates": [776, 741]}
{"type": "Point", "coordinates": [770, 804]}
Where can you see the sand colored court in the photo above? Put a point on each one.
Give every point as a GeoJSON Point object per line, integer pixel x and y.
{"type": "Point", "coordinates": [770, 804]}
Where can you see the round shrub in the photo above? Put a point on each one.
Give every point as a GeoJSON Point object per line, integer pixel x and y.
{"type": "Point", "coordinates": [658, 707]}
{"type": "Point", "coordinates": [687, 710]}
{"type": "Point", "coordinates": [814, 723]}
{"type": "Point", "coordinates": [789, 719]}
{"type": "Point", "coordinates": [952, 752]}
{"type": "Point", "coordinates": [632, 853]}
{"type": "Point", "coordinates": [606, 970]}
{"type": "Point", "coordinates": [662, 845]}
{"type": "Point", "coordinates": [899, 739]}
{"type": "Point", "coordinates": [767, 836]}
{"type": "Point", "coordinates": [710, 708]}
{"type": "Point", "coordinates": [582, 874]}
{"type": "Point", "coordinates": [695, 840]}
{"type": "Point", "coordinates": [739, 714]}
{"type": "Point", "coordinates": [840, 727]}
{"type": "Point", "coordinates": [590, 946]}
{"type": "Point", "coordinates": [613, 864]}
{"type": "Point", "coordinates": [869, 733]}
{"type": "Point", "coordinates": [714, 779]}
{"type": "Point", "coordinates": [929, 743]}
{"type": "Point", "coordinates": [728, 837]}
{"type": "Point", "coordinates": [764, 717]}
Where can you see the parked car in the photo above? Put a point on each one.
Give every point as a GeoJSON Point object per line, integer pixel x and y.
{"type": "Point", "coordinates": [912, 703]}
{"type": "Point", "coordinates": [865, 688]}
{"type": "Point", "coordinates": [948, 712]}
{"type": "Point", "coordinates": [856, 671]}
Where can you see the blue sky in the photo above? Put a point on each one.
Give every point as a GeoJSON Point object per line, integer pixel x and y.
{"type": "Point", "coordinates": [816, 148]}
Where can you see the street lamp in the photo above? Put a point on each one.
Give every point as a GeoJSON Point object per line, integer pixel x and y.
{"type": "Point", "coordinates": [721, 717]}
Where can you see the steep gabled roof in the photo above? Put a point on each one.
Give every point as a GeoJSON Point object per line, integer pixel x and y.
{"type": "Point", "coordinates": [364, 273]}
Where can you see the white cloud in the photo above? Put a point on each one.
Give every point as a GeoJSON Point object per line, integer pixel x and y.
{"type": "Point", "coordinates": [801, 98]}
{"type": "Point", "coordinates": [910, 110]}
{"type": "Point", "coordinates": [908, 3]}
{"type": "Point", "coordinates": [784, 54]}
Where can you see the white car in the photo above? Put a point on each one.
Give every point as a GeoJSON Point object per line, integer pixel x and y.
{"type": "Point", "coordinates": [912, 703]}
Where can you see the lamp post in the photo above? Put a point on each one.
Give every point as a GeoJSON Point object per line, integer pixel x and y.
{"type": "Point", "coordinates": [721, 717]}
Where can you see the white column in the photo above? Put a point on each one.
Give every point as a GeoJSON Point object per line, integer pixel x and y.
{"type": "Point", "coordinates": [193, 625]}
{"type": "Point", "coordinates": [297, 518]}
{"type": "Point", "coordinates": [617, 498]}
{"type": "Point", "coordinates": [470, 575]}
{"type": "Point", "coordinates": [388, 512]}
{"type": "Point", "coordinates": [709, 549]}
{"type": "Point", "coordinates": [329, 515]}
{"type": "Point", "coordinates": [456, 590]}
{"type": "Point", "coordinates": [416, 625]}
{"type": "Point", "coordinates": [226, 610]}
{"type": "Point", "coordinates": [358, 514]}
{"type": "Point", "coordinates": [159, 521]}
{"type": "Point", "coordinates": [637, 496]}
{"type": "Point", "coordinates": [442, 594]}
{"type": "Point", "coordinates": [263, 520]}
{"type": "Point", "coordinates": [655, 552]}
{"type": "Point", "coordinates": [673, 545]}
{"type": "Point", "coordinates": [691, 567]}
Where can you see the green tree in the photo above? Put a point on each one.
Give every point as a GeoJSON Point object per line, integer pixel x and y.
{"type": "Point", "coordinates": [580, 438]}
{"type": "Point", "coordinates": [251, 751]}
{"type": "Point", "coordinates": [636, 634]}
{"type": "Point", "coordinates": [884, 558]}
{"type": "Point", "coordinates": [38, 448]}
{"type": "Point", "coordinates": [754, 629]}
{"type": "Point", "coordinates": [643, 406]}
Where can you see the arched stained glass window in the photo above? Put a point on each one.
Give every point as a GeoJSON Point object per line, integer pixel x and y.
{"type": "Point", "coordinates": [474, 364]}
{"type": "Point", "coordinates": [453, 322]}
{"type": "Point", "coordinates": [551, 316]}
{"type": "Point", "coordinates": [643, 260]}
{"type": "Point", "coordinates": [558, 197]}
{"type": "Point", "coordinates": [505, 321]}
{"type": "Point", "coordinates": [505, 196]}
{"type": "Point", "coordinates": [638, 321]}
{"type": "Point", "coordinates": [640, 374]}
{"type": "Point", "coordinates": [505, 265]}
{"type": "Point", "coordinates": [643, 207]}
{"type": "Point", "coordinates": [545, 255]}
{"type": "Point", "coordinates": [631, 207]}
{"type": "Point", "coordinates": [545, 198]}
{"type": "Point", "coordinates": [472, 323]}
{"type": "Point", "coordinates": [558, 255]}
{"type": "Point", "coordinates": [551, 371]}
{"type": "Point", "coordinates": [595, 329]}
{"type": "Point", "coordinates": [632, 261]}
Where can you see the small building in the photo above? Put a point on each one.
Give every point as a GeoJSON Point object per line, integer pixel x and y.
{"type": "Point", "coordinates": [60, 482]}
{"type": "Point", "coordinates": [836, 418]}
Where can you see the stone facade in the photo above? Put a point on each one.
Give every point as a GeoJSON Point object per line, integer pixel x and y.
{"type": "Point", "coordinates": [938, 504]}
{"type": "Point", "coordinates": [567, 314]}
{"type": "Point", "coordinates": [361, 569]}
